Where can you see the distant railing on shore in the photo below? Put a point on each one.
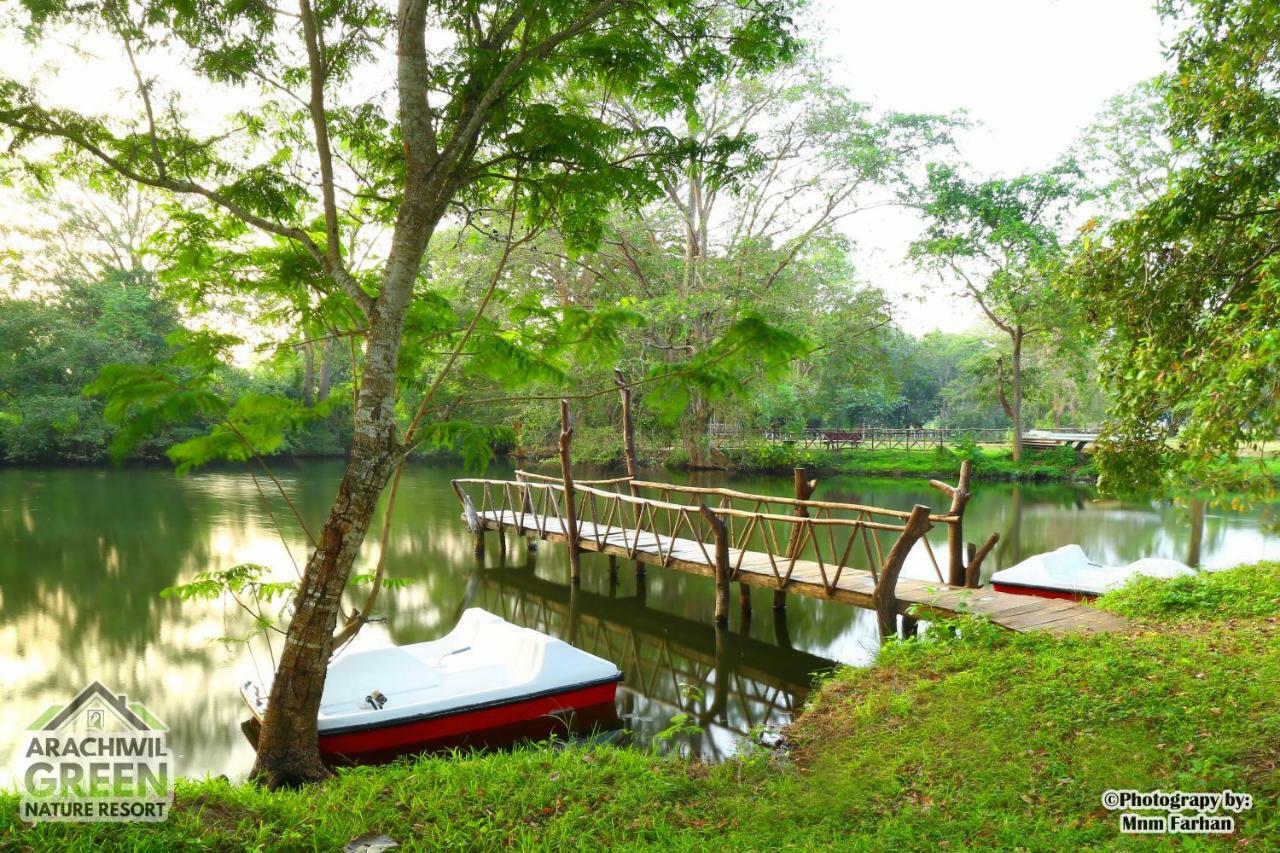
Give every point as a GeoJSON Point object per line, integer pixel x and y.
{"type": "Point", "coordinates": [867, 437]}
{"type": "Point", "coordinates": [723, 437]}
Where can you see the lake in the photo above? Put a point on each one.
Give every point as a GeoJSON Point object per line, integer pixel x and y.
{"type": "Point", "coordinates": [84, 554]}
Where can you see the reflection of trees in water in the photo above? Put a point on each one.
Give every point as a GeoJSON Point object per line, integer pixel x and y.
{"type": "Point", "coordinates": [74, 540]}
{"type": "Point", "coordinates": [726, 682]}
{"type": "Point", "coordinates": [1034, 519]}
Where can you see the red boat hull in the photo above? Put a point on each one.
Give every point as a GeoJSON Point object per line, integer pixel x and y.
{"type": "Point", "coordinates": [574, 711]}
{"type": "Point", "coordinates": [1043, 592]}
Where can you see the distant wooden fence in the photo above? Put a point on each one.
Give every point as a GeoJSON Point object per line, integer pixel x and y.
{"type": "Point", "coordinates": [867, 438]}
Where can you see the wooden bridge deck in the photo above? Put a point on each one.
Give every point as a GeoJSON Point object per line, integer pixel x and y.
{"type": "Point", "coordinates": [853, 586]}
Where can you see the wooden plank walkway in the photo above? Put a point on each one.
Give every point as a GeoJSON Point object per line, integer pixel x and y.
{"type": "Point", "coordinates": [854, 586]}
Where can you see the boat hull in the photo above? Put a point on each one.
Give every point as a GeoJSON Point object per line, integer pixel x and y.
{"type": "Point", "coordinates": [573, 711]}
{"type": "Point", "coordinates": [1043, 592]}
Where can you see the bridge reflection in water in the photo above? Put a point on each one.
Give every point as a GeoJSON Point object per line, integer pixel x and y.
{"type": "Point", "coordinates": [728, 683]}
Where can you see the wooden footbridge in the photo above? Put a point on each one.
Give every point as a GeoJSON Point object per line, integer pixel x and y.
{"type": "Point", "coordinates": [835, 551]}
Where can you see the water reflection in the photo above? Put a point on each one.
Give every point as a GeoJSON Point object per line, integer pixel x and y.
{"type": "Point", "coordinates": [84, 554]}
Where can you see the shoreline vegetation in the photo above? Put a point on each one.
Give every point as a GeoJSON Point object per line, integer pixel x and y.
{"type": "Point", "coordinates": [968, 735]}
{"type": "Point", "coordinates": [990, 463]}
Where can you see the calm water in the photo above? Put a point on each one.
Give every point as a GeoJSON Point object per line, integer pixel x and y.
{"type": "Point", "coordinates": [84, 554]}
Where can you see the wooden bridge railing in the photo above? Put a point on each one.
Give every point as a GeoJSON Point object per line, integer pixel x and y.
{"type": "Point", "coordinates": [771, 523]}
{"type": "Point", "coordinates": [723, 533]}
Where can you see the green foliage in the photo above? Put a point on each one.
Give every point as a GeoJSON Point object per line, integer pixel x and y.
{"type": "Point", "coordinates": [245, 578]}
{"type": "Point", "coordinates": [750, 351]}
{"type": "Point", "coordinates": [1187, 285]}
{"type": "Point", "coordinates": [774, 456]}
{"type": "Point", "coordinates": [473, 441]}
{"type": "Point", "coordinates": [51, 347]}
{"type": "Point", "coordinates": [144, 399]}
{"type": "Point", "coordinates": [1243, 592]}
{"type": "Point", "coordinates": [681, 725]}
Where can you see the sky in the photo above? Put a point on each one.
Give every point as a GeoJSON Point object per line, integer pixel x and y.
{"type": "Point", "coordinates": [1033, 73]}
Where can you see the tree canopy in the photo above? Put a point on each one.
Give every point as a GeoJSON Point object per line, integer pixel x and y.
{"type": "Point", "coordinates": [1187, 287]}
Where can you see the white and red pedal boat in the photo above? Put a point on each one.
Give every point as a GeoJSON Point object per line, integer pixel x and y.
{"type": "Point", "coordinates": [1068, 573]}
{"type": "Point", "coordinates": [487, 683]}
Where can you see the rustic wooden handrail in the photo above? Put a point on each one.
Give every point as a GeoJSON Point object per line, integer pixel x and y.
{"type": "Point", "coordinates": [548, 479]}
{"type": "Point", "coordinates": [939, 518]}
{"type": "Point", "coordinates": [815, 560]}
{"type": "Point", "coordinates": [578, 488]}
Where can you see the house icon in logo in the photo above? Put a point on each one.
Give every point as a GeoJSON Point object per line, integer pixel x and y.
{"type": "Point", "coordinates": [97, 709]}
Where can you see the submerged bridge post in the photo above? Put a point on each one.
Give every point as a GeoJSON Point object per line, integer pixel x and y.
{"type": "Point", "coordinates": [723, 573]}
{"type": "Point", "coordinates": [804, 490]}
{"type": "Point", "coordinates": [955, 530]}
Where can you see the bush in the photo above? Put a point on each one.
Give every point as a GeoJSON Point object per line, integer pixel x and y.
{"type": "Point", "coordinates": [771, 456]}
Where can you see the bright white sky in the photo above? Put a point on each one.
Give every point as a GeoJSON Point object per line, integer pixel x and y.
{"type": "Point", "coordinates": [1032, 72]}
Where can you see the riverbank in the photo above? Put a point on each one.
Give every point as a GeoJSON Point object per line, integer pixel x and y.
{"type": "Point", "coordinates": [988, 463]}
{"type": "Point", "coordinates": [992, 739]}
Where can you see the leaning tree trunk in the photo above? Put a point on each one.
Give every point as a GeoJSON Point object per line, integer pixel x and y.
{"type": "Point", "coordinates": [288, 746]}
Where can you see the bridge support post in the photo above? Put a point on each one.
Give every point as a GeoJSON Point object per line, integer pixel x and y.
{"type": "Point", "coordinates": [955, 530]}
{"type": "Point", "coordinates": [570, 504]}
{"type": "Point", "coordinates": [781, 634]}
{"type": "Point", "coordinates": [804, 490]}
{"type": "Point", "coordinates": [722, 563]}
{"type": "Point", "coordinates": [884, 596]}
{"type": "Point", "coordinates": [973, 572]}
{"type": "Point", "coordinates": [526, 511]}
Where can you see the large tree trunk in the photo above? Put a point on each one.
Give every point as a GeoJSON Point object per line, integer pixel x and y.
{"type": "Point", "coordinates": [288, 748]}
{"type": "Point", "coordinates": [1017, 394]}
{"type": "Point", "coordinates": [695, 433]}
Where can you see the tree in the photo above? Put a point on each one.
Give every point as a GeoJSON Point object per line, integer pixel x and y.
{"type": "Point", "coordinates": [1001, 239]}
{"type": "Point", "coordinates": [52, 347]}
{"type": "Point", "coordinates": [81, 297]}
{"type": "Point", "coordinates": [1187, 286]}
{"type": "Point", "coordinates": [1126, 153]}
{"type": "Point", "coordinates": [760, 239]}
{"type": "Point", "coordinates": [499, 106]}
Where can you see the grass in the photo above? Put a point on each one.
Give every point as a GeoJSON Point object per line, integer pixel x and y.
{"type": "Point", "coordinates": [1244, 592]}
{"type": "Point", "coordinates": [989, 463]}
{"type": "Point", "coordinates": [984, 740]}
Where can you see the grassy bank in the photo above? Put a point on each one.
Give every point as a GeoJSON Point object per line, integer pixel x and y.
{"type": "Point", "coordinates": [989, 463]}
{"type": "Point", "coordinates": [990, 740]}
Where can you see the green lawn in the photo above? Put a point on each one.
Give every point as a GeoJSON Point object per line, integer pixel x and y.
{"type": "Point", "coordinates": [990, 740]}
{"type": "Point", "coordinates": [989, 462]}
